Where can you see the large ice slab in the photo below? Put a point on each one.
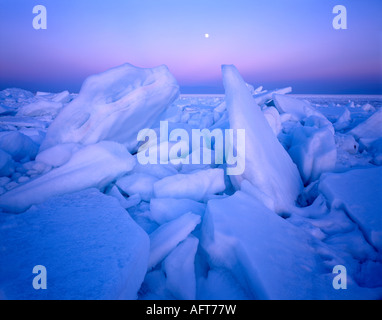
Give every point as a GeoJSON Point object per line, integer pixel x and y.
{"type": "Point", "coordinates": [274, 120]}
{"type": "Point", "coordinates": [58, 155]}
{"type": "Point", "coordinates": [179, 267]}
{"type": "Point", "coordinates": [220, 285]}
{"type": "Point", "coordinates": [268, 256]}
{"type": "Point", "coordinates": [343, 121]}
{"type": "Point", "coordinates": [166, 238]}
{"type": "Point", "coordinates": [93, 166]}
{"type": "Point", "coordinates": [370, 130]}
{"type": "Point", "coordinates": [22, 122]}
{"type": "Point", "coordinates": [163, 210]}
{"type": "Point", "coordinates": [300, 109]}
{"type": "Point", "coordinates": [314, 151]}
{"type": "Point", "coordinates": [138, 183]}
{"type": "Point", "coordinates": [6, 164]}
{"type": "Point", "coordinates": [40, 108]}
{"type": "Point", "coordinates": [114, 105]}
{"type": "Point", "coordinates": [18, 145]}
{"type": "Point", "coordinates": [263, 97]}
{"type": "Point", "coordinates": [89, 245]}
{"type": "Point", "coordinates": [196, 186]}
{"type": "Point", "coordinates": [360, 193]}
{"type": "Point", "coordinates": [267, 165]}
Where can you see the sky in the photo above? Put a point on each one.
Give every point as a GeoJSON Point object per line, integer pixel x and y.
{"type": "Point", "coordinates": [274, 43]}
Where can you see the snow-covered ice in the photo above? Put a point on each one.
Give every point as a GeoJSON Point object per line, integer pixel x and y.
{"type": "Point", "coordinates": [58, 155]}
{"type": "Point", "coordinates": [6, 164]}
{"type": "Point", "coordinates": [164, 210]}
{"type": "Point", "coordinates": [181, 230]}
{"type": "Point", "coordinates": [179, 267]}
{"type": "Point", "coordinates": [370, 130]}
{"type": "Point", "coordinates": [90, 246]}
{"type": "Point", "coordinates": [93, 166]}
{"type": "Point", "coordinates": [300, 109]}
{"type": "Point", "coordinates": [274, 119]}
{"type": "Point", "coordinates": [360, 193]}
{"type": "Point", "coordinates": [169, 235]}
{"type": "Point", "coordinates": [196, 186]}
{"type": "Point", "coordinates": [138, 183]}
{"type": "Point", "coordinates": [267, 165]}
{"type": "Point", "coordinates": [269, 257]}
{"type": "Point", "coordinates": [114, 105]}
{"type": "Point", "coordinates": [343, 121]}
{"type": "Point", "coordinates": [314, 151]}
{"type": "Point", "coordinates": [41, 108]}
{"type": "Point", "coordinates": [18, 145]}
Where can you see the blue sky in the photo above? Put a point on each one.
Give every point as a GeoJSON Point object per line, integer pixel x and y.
{"type": "Point", "coordinates": [274, 43]}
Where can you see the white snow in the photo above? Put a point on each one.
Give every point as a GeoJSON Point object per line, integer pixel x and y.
{"type": "Point", "coordinates": [169, 235]}
{"type": "Point", "coordinates": [179, 268]}
{"type": "Point", "coordinates": [6, 164]}
{"type": "Point", "coordinates": [196, 186]}
{"type": "Point", "coordinates": [41, 108]}
{"type": "Point", "coordinates": [300, 109]}
{"type": "Point", "coordinates": [189, 230]}
{"type": "Point", "coordinates": [133, 201]}
{"type": "Point", "coordinates": [314, 151]}
{"type": "Point", "coordinates": [267, 165]}
{"type": "Point", "coordinates": [20, 122]}
{"type": "Point", "coordinates": [114, 192]}
{"type": "Point", "coordinates": [138, 183]}
{"type": "Point", "coordinates": [343, 121]}
{"type": "Point", "coordinates": [164, 210]}
{"type": "Point", "coordinates": [370, 130]}
{"type": "Point", "coordinates": [368, 108]}
{"type": "Point", "coordinates": [220, 285]}
{"type": "Point", "coordinates": [262, 97]}
{"type": "Point", "coordinates": [360, 193]}
{"type": "Point", "coordinates": [267, 256]}
{"type": "Point", "coordinates": [346, 142]}
{"type": "Point", "coordinates": [93, 166]}
{"type": "Point", "coordinates": [90, 246]}
{"type": "Point", "coordinates": [37, 135]}
{"type": "Point", "coordinates": [274, 119]}
{"type": "Point", "coordinates": [156, 170]}
{"type": "Point", "coordinates": [154, 287]}
{"type": "Point", "coordinates": [376, 150]}
{"type": "Point", "coordinates": [63, 97]}
{"type": "Point", "coordinates": [58, 155]}
{"type": "Point", "coordinates": [18, 145]}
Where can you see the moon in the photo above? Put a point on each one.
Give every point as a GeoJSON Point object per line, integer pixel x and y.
{"type": "Point", "coordinates": [206, 35]}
